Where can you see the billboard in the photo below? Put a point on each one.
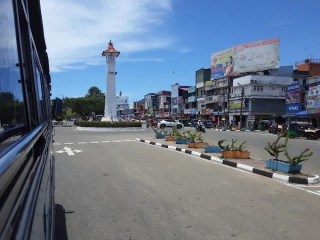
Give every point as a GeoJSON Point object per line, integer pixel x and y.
{"type": "Point", "coordinates": [248, 57]}
{"type": "Point", "coordinates": [221, 63]}
{"type": "Point", "coordinates": [313, 102]}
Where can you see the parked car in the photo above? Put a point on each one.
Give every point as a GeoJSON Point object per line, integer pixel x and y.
{"type": "Point", "coordinates": [170, 123]}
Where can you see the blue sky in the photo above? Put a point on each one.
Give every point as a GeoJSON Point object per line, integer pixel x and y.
{"type": "Point", "coordinates": [159, 37]}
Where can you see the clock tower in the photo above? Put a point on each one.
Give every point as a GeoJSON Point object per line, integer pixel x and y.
{"type": "Point", "coordinates": [110, 113]}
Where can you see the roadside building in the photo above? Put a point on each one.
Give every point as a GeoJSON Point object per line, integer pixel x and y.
{"type": "Point", "coordinates": [191, 103]}
{"type": "Point", "coordinates": [308, 77]}
{"type": "Point", "coordinates": [138, 107]}
{"type": "Point", "coordinates": [202, 76]}
{"type": "Point", "coordinates": [122, 106]}
{"type": "Point", "coordinates": [258, 97]}
{"type": "Point", "coordinates": [179, 95]}
{"type": "Point", "coordinates": [151, 105]}
{"type": "Point", "coordinates": [217, 99]}
{"type": "Point", "coordinates": [164, 100]}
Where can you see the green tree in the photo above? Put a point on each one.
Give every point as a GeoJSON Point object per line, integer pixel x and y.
{"type": "Point", "coordinates": [95, 92]}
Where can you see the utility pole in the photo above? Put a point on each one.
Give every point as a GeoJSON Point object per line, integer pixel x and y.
{"type": "Point", "coordinates": [241, 106]}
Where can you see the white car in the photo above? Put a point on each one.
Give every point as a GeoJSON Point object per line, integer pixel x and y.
{"type": "Point", "coordinates": [170, 123]}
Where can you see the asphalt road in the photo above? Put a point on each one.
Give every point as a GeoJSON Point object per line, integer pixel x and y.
{"type": "Point", "coordinates": [109, 186]}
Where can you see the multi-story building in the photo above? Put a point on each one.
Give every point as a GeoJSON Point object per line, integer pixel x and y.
{"type": "Point", "coordinates": [164, 100]}
{"type": "Point", "coordinates": [138, 107]}
{"type": "Point", "coordinates": [122, 106]}
{"type": "Point", "coordinates": [258, 97]}
{"type": "Point", "coordinates": [151, 105]}
{"type": "Point", "coordinates": [179, 96]}
{"type": "Point", "coordinates": [191, 103]}
{"type": "Point", "coordinates": [304, 103]}
{"type": "Point", "coordinates": [202, 76]}
{"type": "Point", "coordinates": [217, 99]}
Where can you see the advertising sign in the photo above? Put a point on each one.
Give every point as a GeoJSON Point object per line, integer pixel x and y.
{"type": "Point", "coordinates": [236, 104]}
{"type": "Point", "coordinates": [292, 97]}
{"type": "Point", "coordinates": [257, 56]}
{"type": "Point", "coordinates": [313, 103]}
{"type": "Point", "coordinates": [222, 63]}
{"type": "Point", "coordinates": [294, 108]}
{"type": "Point", "coordinates": [293, 87]}
{"type": "Point", "coordinates": [248, 57]}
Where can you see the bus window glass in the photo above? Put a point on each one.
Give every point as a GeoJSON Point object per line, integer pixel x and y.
{"type": "Point", "coordinates": [12, 109]}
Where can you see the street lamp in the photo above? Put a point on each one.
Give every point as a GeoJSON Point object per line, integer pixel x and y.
{"type": "Point", "coordinates": [241, 105]}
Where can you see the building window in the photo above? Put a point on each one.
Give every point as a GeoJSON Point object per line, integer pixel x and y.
{"type": "Point", "coordinates": [258, 88]}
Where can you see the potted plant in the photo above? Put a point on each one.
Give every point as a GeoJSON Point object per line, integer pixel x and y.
{"type": "Point", "coordinates": [293, 164]}
{"type": "Point", "coordinates": [160, 133]}
{"type": "Point", "coordinates": [183, 138]}
{"type": "Point", "coordinates": [173, 134]}
{"type": "Point", "coordinates": [196, 140]}
{"type": "Point", "coordinates": [233, 151]}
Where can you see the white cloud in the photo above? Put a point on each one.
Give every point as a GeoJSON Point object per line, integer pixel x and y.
{"type": "Point", "coordinates": [185, 50]}
{"type": "Point", "coordinates": [77, 31]}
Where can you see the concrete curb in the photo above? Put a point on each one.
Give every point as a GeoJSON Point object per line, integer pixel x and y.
{"type": "Point", "coordinates": [297, 180]}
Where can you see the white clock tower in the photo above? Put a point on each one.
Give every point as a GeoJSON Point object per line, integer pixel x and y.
{"type": "Point", "coordinates": [110, 112]}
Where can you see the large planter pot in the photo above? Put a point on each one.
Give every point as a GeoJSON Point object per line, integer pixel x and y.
{"type": "Point", "coordinates": [236, 154]}
{"type": "Point", "coordinates": [228, 154]}
{"type": "Point", "coordinates": [161, 136]}
{"type": "Point", "coordinates": [170, 138]}
{"type": "Point", "coordinates": [241, 154]}
{"type": "Point", "coordinates": [282, 166]}
{"type": "Point", "coordinates": [212, 149]}
{"type": "Point", "coordinates": [197, 144]}
{"type": "Point", "coordinates": [182, 141]}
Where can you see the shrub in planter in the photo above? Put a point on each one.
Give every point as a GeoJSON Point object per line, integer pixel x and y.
{"type": "Point", "coordinates": [293, 164]}
{"type": "Point", "coordinates": [233, 151]}
{"type": "Point", "coordinates": [160, 133]}
{"type": "Point", "coordinates": [196, 140]}
{"type": "Point", "coordinates": [183, 138]}
{"type": "Point", "coordinates": [173, 134]}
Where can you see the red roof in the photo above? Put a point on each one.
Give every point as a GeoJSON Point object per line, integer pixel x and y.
{"type": "Point", "coordinates": [110, 49]}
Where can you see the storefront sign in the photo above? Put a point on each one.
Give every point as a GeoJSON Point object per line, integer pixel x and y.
{"type": "Point", "coordinates": [293, 87]}
{"type": "Point", "coordinates": [293, 108]}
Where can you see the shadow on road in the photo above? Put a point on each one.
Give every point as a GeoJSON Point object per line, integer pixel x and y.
{"type": "Point", "coordinates": [60, 223]}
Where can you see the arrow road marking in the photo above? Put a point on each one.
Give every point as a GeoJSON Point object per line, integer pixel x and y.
{"type": "Point", "coordinates": [68, 151]}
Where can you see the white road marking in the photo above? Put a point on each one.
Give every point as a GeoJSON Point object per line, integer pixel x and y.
{"type": "Point", "coordinates": [115, 141]}
{"type": "Point", "coordinates": [68, 151]}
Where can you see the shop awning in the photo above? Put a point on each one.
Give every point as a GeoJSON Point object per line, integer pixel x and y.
{"type": "Point", "coordinates": [302, 114]}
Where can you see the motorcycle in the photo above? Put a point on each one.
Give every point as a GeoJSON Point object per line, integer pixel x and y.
{"type": "Point", "coordinates": [312, 134]}
{"type": "Point", "coordinates": [200, 128]}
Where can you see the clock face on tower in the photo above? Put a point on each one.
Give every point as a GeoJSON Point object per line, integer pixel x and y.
{"type": "Point", "coordinates": [110, 58]}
